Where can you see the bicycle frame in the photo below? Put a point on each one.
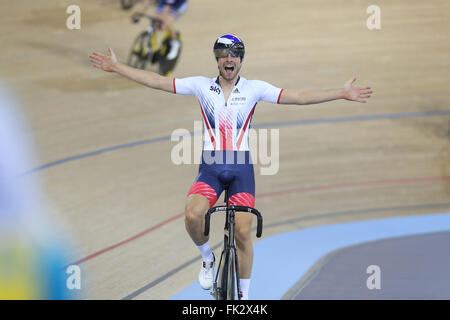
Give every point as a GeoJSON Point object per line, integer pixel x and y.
{"type": "Point", "coordinates": [229, 270]}
{"type": "Point", "coordinates": [144, 48]}
{"type": "Point", "coordinates": [144, 45]}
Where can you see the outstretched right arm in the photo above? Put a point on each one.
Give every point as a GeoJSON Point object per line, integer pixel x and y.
{"type": "Point", "coordinates": [146, 78]}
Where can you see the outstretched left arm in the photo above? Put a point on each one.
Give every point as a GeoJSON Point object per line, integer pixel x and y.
{"type": "Point", "coordinates": [348, 92]}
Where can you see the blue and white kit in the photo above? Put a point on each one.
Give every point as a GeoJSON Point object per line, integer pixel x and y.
{"type": "Point", "coordinates": [225, 126]}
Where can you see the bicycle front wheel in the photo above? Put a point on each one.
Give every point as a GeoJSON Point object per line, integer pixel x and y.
{"type": "Point", "coordinates": [228, 276]}
{"type": "Point", "coordinates": [141, 50]}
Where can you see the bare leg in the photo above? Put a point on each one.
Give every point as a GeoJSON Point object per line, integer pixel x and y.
{"type": "Point", "coordinates": [196, 207]}
{"type": "Point", "coordinates": [168, 22]}
{"type": "Point", "coordinates": [244, 243]}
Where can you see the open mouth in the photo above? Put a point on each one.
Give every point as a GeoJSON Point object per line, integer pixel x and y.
{"type": "Point", "coordinates": [229, 68]}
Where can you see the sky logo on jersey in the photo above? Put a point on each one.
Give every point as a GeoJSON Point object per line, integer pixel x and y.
{"type": "Point", "coordinates": [215, 89]}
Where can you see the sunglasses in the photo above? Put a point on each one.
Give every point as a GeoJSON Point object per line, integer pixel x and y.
{"type": "Point", "coordinates": [223, 53]}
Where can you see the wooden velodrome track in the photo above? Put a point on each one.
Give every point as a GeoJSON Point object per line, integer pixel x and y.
{"type": "Point", "coordinates": [124, 206]}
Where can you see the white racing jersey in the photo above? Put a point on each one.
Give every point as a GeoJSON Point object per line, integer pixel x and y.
{"type": "Point", "coordinates": [226, 123]}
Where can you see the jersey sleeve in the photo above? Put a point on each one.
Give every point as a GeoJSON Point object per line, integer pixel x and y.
{"type": "Point", "coordinates": [187, 86]}
{"type": "Point", "coordinates": [267, 92]}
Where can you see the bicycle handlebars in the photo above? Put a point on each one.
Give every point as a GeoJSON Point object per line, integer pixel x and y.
{"type": "Point", "coordinates": [235, 208]}
{"type": "Point", "coordinates": [136, 17]}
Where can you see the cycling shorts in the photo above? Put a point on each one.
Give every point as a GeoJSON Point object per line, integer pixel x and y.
{"type": "Point", "coordinates": [177, 7]}
{"type": "Point", "coordinates": [237, 164]}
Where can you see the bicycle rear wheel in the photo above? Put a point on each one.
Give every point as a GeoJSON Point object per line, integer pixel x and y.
{"type": "Point", "coordinates": [167, 66]}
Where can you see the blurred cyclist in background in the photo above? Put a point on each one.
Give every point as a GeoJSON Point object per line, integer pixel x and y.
{"type": "Point", "coordinates": [167, 11]}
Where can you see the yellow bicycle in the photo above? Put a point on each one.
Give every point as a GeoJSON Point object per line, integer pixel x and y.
{"type": "Point", "coordinates": [145, 51]}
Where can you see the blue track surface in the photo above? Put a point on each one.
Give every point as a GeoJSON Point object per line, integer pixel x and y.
{"type": "Point", "coordinates": [281, 260]}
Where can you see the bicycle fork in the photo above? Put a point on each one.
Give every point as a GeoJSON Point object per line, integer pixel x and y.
{"type": "Point", "coordinates": [228, 272]}
{"type": "Point", "coordinates": [227, 278]}
{"type": "Point", "coordinates": [231, 265]}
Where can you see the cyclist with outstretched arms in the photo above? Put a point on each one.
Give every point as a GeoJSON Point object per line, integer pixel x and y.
{"type": "Point", "coordinates": [227, 103]}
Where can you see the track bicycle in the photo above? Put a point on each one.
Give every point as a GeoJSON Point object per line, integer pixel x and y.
{"type": "Point", "coordinates": [226, 282]}
{"type": "Point", "coordinates": [144, 50]}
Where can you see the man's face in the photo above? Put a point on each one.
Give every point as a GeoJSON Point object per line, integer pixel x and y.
{"type": "Point", "coordinates": [229, 67]}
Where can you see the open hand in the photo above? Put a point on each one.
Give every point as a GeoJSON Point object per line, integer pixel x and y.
{"type": "Point", "coordinates": [358, 94]}
{"type": "Point", "coordinates": [104, 62]}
